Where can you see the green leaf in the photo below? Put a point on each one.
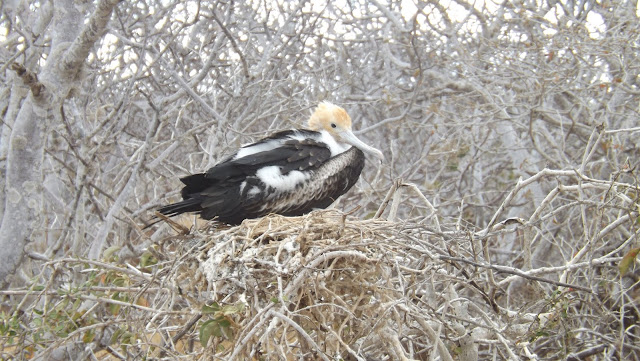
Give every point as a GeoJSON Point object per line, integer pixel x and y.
{"type": "Point", "coordinates": [88, 336]}
{"type": "Point", "coordinates": [109, 253]}
{"type": "Point", "coordinates": [147, 259]}
{"type": "Point", "coordinates": [628, 260]}
{"type": "Point", "coordinates": [232, 309]}
{"type": "Point", "coordinates": [210, 309]}
{"type": "Point", "coordinates": [123, 338]}
{"type": "Point", "coordinates": [116, 336]}
{"type": "Point", "coordinates": [120, 281]}
{"type": "Point", "coordinates": [225, 329]}
{"type": "Point", "coordinates": [207, 330]}
{"type": "Point", "coordinates": [223, 322]}
{"type": "Point", "coordinates": [218, 327]}
{"type": "Point", "coordinates": [115, 308]}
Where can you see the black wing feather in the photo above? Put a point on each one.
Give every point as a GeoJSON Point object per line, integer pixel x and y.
{"type": "Point", "coordinates": [291, 155]}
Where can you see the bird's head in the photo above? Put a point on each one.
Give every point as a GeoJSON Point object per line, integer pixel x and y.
{"type": "Point", "coordinates": [337, 122]}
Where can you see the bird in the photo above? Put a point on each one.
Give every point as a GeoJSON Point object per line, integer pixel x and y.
{"type": "Point", "coordinates": [290, 173]}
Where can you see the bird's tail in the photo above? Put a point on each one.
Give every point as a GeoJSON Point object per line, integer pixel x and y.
{"type": "Point", "coordinates": [187, 205]}
{"type": "Point", "coordinates": [170, 210]}
{"type": "Point", "coordinates": [192, 202]}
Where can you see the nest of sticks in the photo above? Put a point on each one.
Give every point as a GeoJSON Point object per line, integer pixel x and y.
{"type": "Point", "coordinates": [326, 286]}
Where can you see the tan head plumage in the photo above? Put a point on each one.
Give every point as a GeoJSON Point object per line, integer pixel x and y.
{"type": "Point", "coordinates": [329, 117]}
{"type": "Point", "coordinates": [335, 120]}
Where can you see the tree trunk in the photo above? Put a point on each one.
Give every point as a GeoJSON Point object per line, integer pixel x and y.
{"type": "Point", "coordinates": [71, 41]}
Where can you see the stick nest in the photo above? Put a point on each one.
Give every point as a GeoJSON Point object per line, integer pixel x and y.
{"type": "Point", "coordinates": [326, 286]}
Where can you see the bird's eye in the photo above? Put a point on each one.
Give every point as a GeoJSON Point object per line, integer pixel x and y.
{"type": "Point", "coordinates": [333, 125]}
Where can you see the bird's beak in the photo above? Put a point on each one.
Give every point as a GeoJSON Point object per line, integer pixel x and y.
{"type": "Point", "coordinates": [350, 138]}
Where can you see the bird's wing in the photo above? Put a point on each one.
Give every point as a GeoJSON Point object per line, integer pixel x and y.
{"type": "Point", "coordinates": [288, 150]}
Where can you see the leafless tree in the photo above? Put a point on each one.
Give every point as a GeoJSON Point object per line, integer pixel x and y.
{"type": "Point", "coordinates": [515, 124]}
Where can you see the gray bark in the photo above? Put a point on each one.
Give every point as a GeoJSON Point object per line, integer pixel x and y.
{"type": "Point", "coordinates": [71, 41]}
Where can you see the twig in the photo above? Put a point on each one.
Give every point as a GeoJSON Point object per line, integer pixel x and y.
{"type": "Point", "coordinates": [545, 270]}
{"type": "Point", "coordinates": [514, 271]}
{"type": "Point", "coordinates": [186, 328]}
{"type": "Point", "coordinates": [103, 265]}
{"type": "Point", "coordinates": [577, 356]}
{"type": "Point", "coordinates": [301, 331]}
{"type": "Point", "coordinates": [387, 198]}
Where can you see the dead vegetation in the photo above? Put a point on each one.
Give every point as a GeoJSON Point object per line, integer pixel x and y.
{"type": "Point", "coordinates": [514, 126]}
{"type": "Point", "coordinates": [328, 286]}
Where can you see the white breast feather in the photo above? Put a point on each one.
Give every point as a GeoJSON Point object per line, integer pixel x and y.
{"type": "Point", "coordinates": [273, 177]}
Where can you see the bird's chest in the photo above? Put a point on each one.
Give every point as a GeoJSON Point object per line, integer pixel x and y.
{"type": "Point", "coordinates": [278, 179]}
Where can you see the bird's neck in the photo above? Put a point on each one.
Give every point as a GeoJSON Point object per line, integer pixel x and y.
{"type": "Point", "coordinates": [334, 146]}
